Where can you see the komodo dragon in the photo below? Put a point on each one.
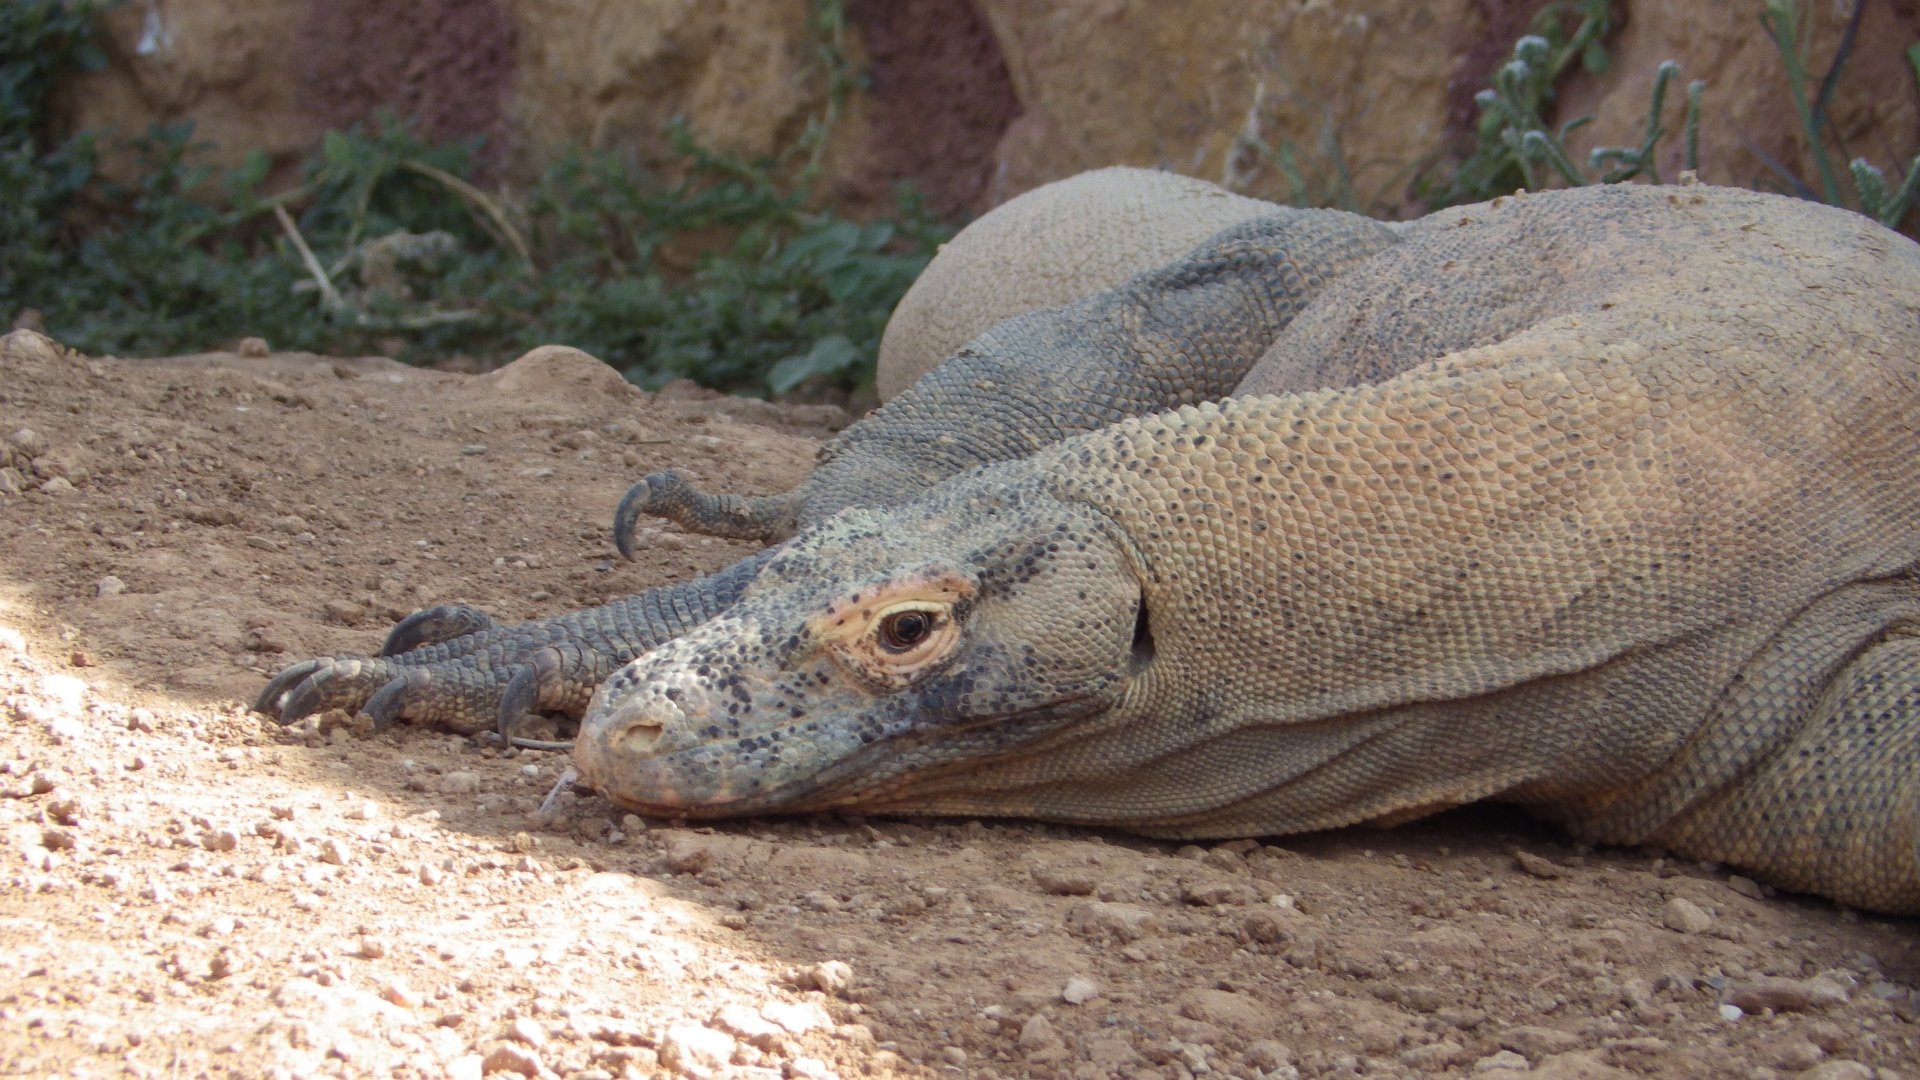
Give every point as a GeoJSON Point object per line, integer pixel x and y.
{"type": "Point", "coordinates": [1601, 502]}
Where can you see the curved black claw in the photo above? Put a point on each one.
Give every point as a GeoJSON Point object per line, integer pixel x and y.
{"type": "Point", "coordinates": [433, 626]}
{"type": "Point", "coordinates": [390, 701]}
{"type": "Point", "coordinates": [734, 517]}
{"type": "Point", "coordinates": [540, 669]}
{"type": "Point", "coordinates": [640, 499]}
{"type": "Point", "coordinates": [269, 700]}
{"type": "Point", "coordinates": [335, 685]}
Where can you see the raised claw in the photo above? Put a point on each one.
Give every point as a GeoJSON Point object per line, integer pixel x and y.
{"type": "Point", "coordinates": [638, 500]}
{"type": "Point", "coordinates": [735, 517]}
{"type": "Point", "coordinates": [433, 626]}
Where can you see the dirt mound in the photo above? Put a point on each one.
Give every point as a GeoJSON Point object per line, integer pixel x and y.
{"type": "Point", "coordinates": [191, 890]}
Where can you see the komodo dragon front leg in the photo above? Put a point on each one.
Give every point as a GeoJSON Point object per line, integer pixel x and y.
{"type": "Point", "coordinates": [1174, 335]}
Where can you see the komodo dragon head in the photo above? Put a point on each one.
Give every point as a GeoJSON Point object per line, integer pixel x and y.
{"type": "Point", "coordinates": [872, 652]}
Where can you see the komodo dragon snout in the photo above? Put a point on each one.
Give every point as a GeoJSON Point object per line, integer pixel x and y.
{"type": "Point", "coordinates": [870, 654]}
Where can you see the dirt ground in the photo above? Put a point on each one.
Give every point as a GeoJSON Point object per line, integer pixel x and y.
{"type": "Point", "coordinates": [187, 889]}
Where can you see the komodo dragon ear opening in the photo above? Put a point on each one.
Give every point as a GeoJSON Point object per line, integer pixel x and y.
{"type": "Point", "coordinates": [1142, 654]}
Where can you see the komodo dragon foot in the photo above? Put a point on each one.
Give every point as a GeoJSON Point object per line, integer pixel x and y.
{"type": "Point", "coordinates": [452, 667]}
{"type": "Point", "coordinates": [732, 517]}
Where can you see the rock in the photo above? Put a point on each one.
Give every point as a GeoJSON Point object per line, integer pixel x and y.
{"type": "Point", "coordinates": [512, 1058]}
{"type": "Point", "coordinates": [527, 1030]}
{"type": "Point", "coordinates": [1211, 893]}
{"type": "Point", "coordinates": [1537, 1041]}
{"type": "Point", "coordinates": [1786, 995]}
{"type": "Point", "coordinates": [695, 1049]}
{"type": "Point", "coordinates": [461, 782]}
{"type": "Point", "coordinates": [1079, 990]}
{"type": "Point", "coordinates": [1683, 916]}
{"type": "Point", "coordinates": [748, 1026]}
{"type": "Point", "coordinates": [1535, 865]}
{"type": "Point", "coordinates": [1731, 1013]}
{"type": "Point", "coordinates": [344, 612]}
{"type": "Point", "coordinates": [831, 977]}
{"type": "Point", "coordinates": [1795, 1054]}
{"type": "Point", "coordinates": [26, 444]}
{"type": "Point", "coordinates": [65, 694]}
{"type": "Point", "coordinates": [1100, 920]}
{"type": "Point", "coordinates": [1838, 1069]}
{"type": "Point", "coordinates": [109, 586]}
{"type": "Point", "coordinates": [1064, 880]}
{"type": "Point", "coordinates": [796, 1018]}
{"type": "Point", "coordinates": [12, 481]}
{"type": "Point", "coordinates": [220, 840]}
{"type": "Point", "coordinates": [690, 855]}
{"type": "Point", "coordinates": [1268, 1055]}
{"type": "Point", "coordinates": [1235, 1012]}
{"type": "Point", "coordinates": [1037, 1035]}
{"type": "Point", "coordinates": [253, 348]}
{"type": "Point", "coordinates": [1434, 1057]}
{"type": "Point", "coordinates": [1746, 887]}
{"type": "Point", "coordinates": [1501, 1061]}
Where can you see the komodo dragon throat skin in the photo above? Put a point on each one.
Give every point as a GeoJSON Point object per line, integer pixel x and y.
{"type": "Point", "coordinates": [1601, 502]}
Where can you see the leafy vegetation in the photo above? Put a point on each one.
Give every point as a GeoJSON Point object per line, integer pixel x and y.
{"type": "Point", "coordinates": [386, 244]}
{"type": "Point", "coordinates": [1516, 147]}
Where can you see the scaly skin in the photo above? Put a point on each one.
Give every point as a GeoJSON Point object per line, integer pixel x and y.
{"type": "Point", "coordinates": [1174, 335]}
{"type": "Point", "coordinates": [1645, 564]}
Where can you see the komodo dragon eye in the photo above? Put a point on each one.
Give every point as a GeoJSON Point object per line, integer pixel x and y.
{"type": "Point", "coordinates": [902, 630]}
{"type": "Point", "coordinates": [894, 632]}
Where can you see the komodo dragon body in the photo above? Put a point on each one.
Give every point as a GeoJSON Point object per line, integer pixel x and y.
{"type": "Point", "coordinates": [1601, 502]}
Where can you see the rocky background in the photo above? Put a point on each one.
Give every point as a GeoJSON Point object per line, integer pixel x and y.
{"type": "Point", "coordinates": [979, 100]}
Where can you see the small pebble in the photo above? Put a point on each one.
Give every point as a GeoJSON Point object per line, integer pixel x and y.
{"type": "Point", "coordinates": [1037, 1034]}
{"type": "Point", "coordinates": [109, 586]}
{"type": "Point", "coordinates": [512, 1058]}
{"type": "Point", "coordinates": [1731, 1013]}
{"type": "Point", "coordinates": [694, 1049]}
{"type": "Point", "coordinates": [1683, 916]}
{"type": "Point", "coordinates": [1079, 990]}
{"type": "Point", "coordinates": [527, 1030]}
{"type": "Point", "coordinates": [461, 782]}
{"type": "Point", "coordinates": [1535, 865]}
{"type": "Point", "coordinates": [831, 976]}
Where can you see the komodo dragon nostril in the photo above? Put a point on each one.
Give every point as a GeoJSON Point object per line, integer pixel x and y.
{"type": "Point", "coordinates": [637, 736]}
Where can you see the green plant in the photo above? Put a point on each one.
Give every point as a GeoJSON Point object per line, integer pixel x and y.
{"type": "Point", "coordinates": [1871, 194]}
{"type": "Point", "coordinates": [722, 270]}
{"type": "Point", "coordinates": [1517, 147]}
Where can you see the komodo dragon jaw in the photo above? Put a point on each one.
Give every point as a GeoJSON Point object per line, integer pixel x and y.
{"type": "Point", "coordinates": [866, 658]}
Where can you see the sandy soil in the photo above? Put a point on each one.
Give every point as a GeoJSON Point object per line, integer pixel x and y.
{"type": "Point", "coordinates": [186, 889]}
